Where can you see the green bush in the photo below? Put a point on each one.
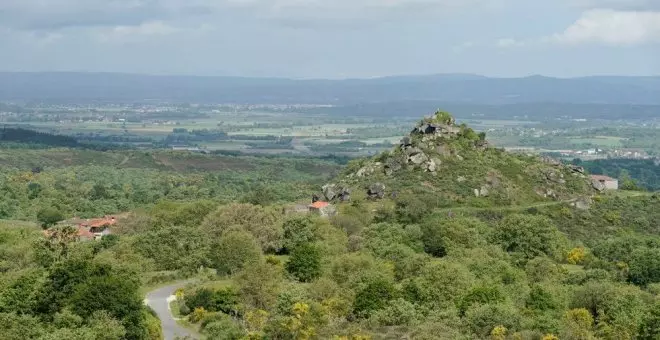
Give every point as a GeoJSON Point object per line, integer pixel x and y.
{"type": "Point", "coordinates": [235, 251]}
{"type": "Point", "coordinates": [305, 263]}
{"type": "Point", "coordinates": [221, 300]}
{"type": "Point", "coordinates": [375, 296]}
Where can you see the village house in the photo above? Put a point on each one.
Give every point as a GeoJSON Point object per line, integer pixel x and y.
{"type": "Point", "coordinates": [324, 209]}
{"type": "Point", "coordinates": [89, 230]}
{"type": "Point", "coordinates": [608, 183]}
{"type": "Point", "coordinates": [99, 227]}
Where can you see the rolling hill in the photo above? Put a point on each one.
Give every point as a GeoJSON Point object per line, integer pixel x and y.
{"type": "Point", "coordinates": [442, 164]}
{"type": "Point", "coordinates": [88, 87]}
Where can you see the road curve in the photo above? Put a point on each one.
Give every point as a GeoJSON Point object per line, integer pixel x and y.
{"type": "Point", "coordinates": [158, 301]}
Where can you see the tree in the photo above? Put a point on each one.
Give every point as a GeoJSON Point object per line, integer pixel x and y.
{"type": "Point", "coordinates": [49, 217]}
{"type": "Point", "coordinates": [480, 295]}
{"type": "Point", "coordinates": [235, 251]}
{"type": "Point", "coordinates": [540, 299]}
{"type": "Point", "coordinates": [650, 327]}
{"type": "Point", "coordinates": [223, 329]}
{"type": "Point", "coordinates": [259, 285]}
{"type": "Point", "coordinates": [117, 295]}
{"type": "Point", "coordinates": [439, 284]}
{"type": "Point", "coordinates": [529, 236]}
{"type": "Point", "coordinates": [374, 296]}
{"type": "Point", "coordinates": [299, 230]}
{"type": "Point", "coordinates": [577, 324]}
{"type": "Point", "coordinates": [261, 222]}
{"type": "Point", "coordinates": [174, 248]}
{"type": "Point", "coordinates": [627, 183]}
{"type": "Point", "coordinates": [644, 266]}
{"type": "Point", "coordinates": [482, 319]}
{"type": "Point", "coordinates": [305, 263]}
{"type": "Point", "coordinates": [440, 235]}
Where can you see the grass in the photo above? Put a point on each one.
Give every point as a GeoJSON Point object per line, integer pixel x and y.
{"type": "Point", "coordinates": [175, 309]}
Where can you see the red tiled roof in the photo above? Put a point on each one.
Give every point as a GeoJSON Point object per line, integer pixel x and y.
{"type": "Point", "coordinates": [319, 205]}
{"type": "Point", "coordinates": [99, 222]}
{"type": "Point", "coordinates": [84, 232]}
{"type": "Point", "coordinates": [602, 178]}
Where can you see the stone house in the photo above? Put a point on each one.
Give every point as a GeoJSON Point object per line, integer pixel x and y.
{"type": "Point", "coordinates": [606, 182]}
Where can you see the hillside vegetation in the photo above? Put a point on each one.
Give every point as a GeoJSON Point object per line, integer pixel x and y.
{"type": "Point", "coordinates": [414, 251]}
{"type": "Point", "coordinates": [441, 164]}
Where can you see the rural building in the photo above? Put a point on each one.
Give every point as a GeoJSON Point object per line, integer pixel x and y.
{"type": "Point", "coordinates": [89, 230]}
{"type": "Point", "coordinates": [607, 182]}
{"type": "Point", "coordinates": [99, 227]}
{"type": "Point", "coordinates": [322, 208]}
{"type": "Point", "coordinates": [85, 235]}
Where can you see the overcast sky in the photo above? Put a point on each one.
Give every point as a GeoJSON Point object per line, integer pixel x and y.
{"type": "Point", "coordinates": [332, 38]}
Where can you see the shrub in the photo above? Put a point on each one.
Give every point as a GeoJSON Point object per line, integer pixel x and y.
{"type": "Point", "coordinates": [529, 236]}
{"type": "Point", "coordinates": [197, 315]}
{"type": "Point", "coordinates": [305, 263]}
{"type": "Point", "coordinates": [374, 296]}
{"type": "Point", "coordinates": [480, 295]}
{"type": "Point", "coordinates": [398, 312]}
{"type": "Point", "coordinates": [482, 319]}
{"type": "Point", "coordinates": [576, 255]}
{"type": "Point", "coordinates": [235, 251]}
{"type": "Point", "coordinates": [222, 300]}
{"type": "Point", "coordinates": [644, 266]}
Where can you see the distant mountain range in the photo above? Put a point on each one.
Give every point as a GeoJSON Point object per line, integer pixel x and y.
{"type": "Point", "coordinates": [456, 88]}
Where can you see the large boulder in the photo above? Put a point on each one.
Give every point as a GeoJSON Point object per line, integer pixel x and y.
{"type": "Point", "coordinates": [431, 166]}
{"type": "Point", "coordinates": [418, 158]}
{"type": "Point", "coordinates": [392, 166]}
{"type": "Point", "coordinates": [330, 191]}
{"type": "Point", "coordinates": [577, 169]}
{"type": "Point", "coordinates": [597, 185]}
{"type": "Point", "coordinates": [411, 151]}
{"type": "Point", "coordinates": [583, 203]}
{"type": "Point", "coordinates": [333, 192]}
{"type": "Point", "coordinates": [376, 191]}
{"type": "Point", "coordinates": [368, 169]}
{"type": "Point", "coordinates": [550, 160]}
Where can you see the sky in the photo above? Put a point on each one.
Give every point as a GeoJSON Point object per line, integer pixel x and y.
{"type": "Point", "coordinates": [332, 38]}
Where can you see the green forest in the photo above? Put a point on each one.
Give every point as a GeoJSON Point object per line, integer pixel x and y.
{"type": "Point", "coordinates": [443, 237]}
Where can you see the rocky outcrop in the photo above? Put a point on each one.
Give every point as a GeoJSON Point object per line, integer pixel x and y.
{"type": "Point", "coordinates": [333, 192]}
{"type": "Point", "coordinates": [577, 169]}
{"type": "Point", "coordinates": [369, 169]}
{"type": "Point", "coordinates": [583, 203]}
{"type": "Point", "coordinates": [597, 185]}
{"type": "Point", "coordinates": [550, 161]}
{"type": "Point", "coordinates": [554, 176]}
{"type": "Point", "coordinates": [376, 191]}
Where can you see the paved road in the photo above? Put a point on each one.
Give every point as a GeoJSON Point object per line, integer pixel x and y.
{"type": "Point", "coordinates": [157, 300]}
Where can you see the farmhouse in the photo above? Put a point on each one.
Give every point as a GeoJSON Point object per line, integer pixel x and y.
{"type": "Point", "coordinates": [608, 183]}
{"type": "Point", "coordinates": [99, 227]}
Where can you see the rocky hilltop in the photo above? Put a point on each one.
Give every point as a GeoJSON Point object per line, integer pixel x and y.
{"type": "Point", "coordinates": [453, 165]}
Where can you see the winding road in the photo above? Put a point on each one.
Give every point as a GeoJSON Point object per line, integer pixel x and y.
{"type": "Point", "coordinates": [158, 300]}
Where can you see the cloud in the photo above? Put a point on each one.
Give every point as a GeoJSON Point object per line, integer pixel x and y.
{"type": "Point", "coordinates": [509, 42]}
{"type": "Point", "coordinates": [612, 27]}
{"type": "Point", "coordinates": [623, 5]}
{"type": "Point", "coordinates": [147, 30]}
{"type": "Point", "coordinates": [62, 14]}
